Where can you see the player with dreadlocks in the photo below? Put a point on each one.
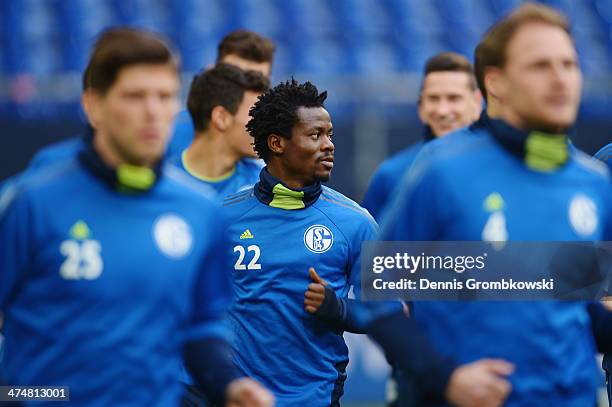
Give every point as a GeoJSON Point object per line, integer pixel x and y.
{"type": "Point", "coordinates": [282, 230]}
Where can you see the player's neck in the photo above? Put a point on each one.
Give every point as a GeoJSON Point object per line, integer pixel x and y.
{"type": "Point", "coordinates": [281, 192]}
{"type": "Point", "coordinates": [512, 119]}
{"type": "Point", "coordinates": [110, 155]}
{"type": "Point", "coordinates": [281, 173]}
{"type": "Point", "coordinates": [209, 156]}
{"type": "Point", "coordinates": [493, 109]}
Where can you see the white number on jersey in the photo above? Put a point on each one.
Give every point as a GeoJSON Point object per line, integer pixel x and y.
{"type": "Point", "coordinates": [495, 230]}
{"type": "Point", "coordinates": [83, 260]}
{"type": "Point", "coordinates": [253, 265]}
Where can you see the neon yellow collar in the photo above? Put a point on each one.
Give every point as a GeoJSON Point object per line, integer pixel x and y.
{"type": "Point", "coordinates": [271, 191]}
{"type": "Point", "coordinates": [135, 177]}
{"type": "Point", "coordinates": [546, 152]}
{"type": "Point", "coordinates": [286, 198]}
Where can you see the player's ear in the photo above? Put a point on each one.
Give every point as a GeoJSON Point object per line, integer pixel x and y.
{"type": "Point", "coordinates": [494, 82]}
{"type": "Point", "coordinates": [276, 143]}
{"type": "Point", "coordinates": [90, 101]}
{"type": "Point", "coordinates": [221, 118]}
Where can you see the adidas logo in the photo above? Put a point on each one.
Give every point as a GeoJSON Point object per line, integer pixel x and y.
{"type": "Point", "coordinates": [80, 231]}
{"type": "Point", "coordinates": [246, 235]}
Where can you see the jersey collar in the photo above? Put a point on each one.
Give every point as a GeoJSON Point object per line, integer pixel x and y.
{"type": "Point", "coordinates": [125, 178]}
{"type": "Point", "coordinates": [211, 180]}
{"type": "Point", "coordinates": [428, 134]}
{"type": "Point", "coordinates": [544, 152]}
{"type": "Point", "coordinates": [273, 192]}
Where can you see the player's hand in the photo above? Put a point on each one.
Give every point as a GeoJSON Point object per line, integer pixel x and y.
{"type": "Point", "coordinates": [245, 392]}
{"type": "Point", "coordinates": [482, 383]}
{"type": "Point", "coordinates": [607, 302]}
{"type": "Point", "coordinates": [315, 294]}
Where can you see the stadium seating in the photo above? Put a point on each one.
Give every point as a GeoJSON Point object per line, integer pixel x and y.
{"type": "Point", "coordinates": [44, 43]}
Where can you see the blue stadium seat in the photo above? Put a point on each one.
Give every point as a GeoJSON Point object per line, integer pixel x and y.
{"type": "Point", "coordinates": [261, 16]}
{"type": "Point", "coordinates": [318, 38]}
{"type": "Point", "coordinates": [565, 6]}
{"type": "Point", "coordinates": [503, 7]}
{"type": "Point", "coordinates": [71, 17]}
{"type": "Point", "coordinates": [376, 57]}
{"type": "Point", "coordinates": [41, 38]}
{"type": "Point", "coordinates": [366, 19]}
{"type": "Point", "coordinates": [306, 20]}
{"type": "Point", "coordinates": [126, 11]}
{"type": "Point", "coordinates": [195, 29]}
{"type": "Point", "coordinates": [286, 63]}
{"type": "Point", "coordinates": [12, 38]}
{"type": "Point", "coordinates": [422, 17]}
{"type": "Point", "coordinates": [324, 58]}
{"type": "Point", "coordinates": [415, 53]}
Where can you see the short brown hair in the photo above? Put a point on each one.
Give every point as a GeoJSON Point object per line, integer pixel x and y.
{"type": "Point", "coordinates": [119, 47]}
{"type": "Point", "coordinates": [450, 62]}
{"type": "Point", "coordinates": [492, 49]}
{"type": "Point", "coordinates": [247, 45]}
{"type": "Point", "coordinates": [223, 85]}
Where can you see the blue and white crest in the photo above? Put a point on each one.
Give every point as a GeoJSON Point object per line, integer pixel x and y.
{"type": "Point", "coordinates": [173, 236]}
{"type": "Point", "coordinates": [583, 215]}
{"type": "Point", "coordinates": [318, 238]}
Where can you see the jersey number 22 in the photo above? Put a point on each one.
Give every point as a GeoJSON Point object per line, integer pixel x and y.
{"type": "Point", "coordinates": [253, 265]}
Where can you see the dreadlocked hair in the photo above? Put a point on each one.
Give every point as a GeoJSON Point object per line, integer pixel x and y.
{"type": "Point", "coordinates": [276, 112]}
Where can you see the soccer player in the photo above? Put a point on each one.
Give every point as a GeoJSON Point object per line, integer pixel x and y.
{"type": "Point", "coordinates": [219, 101]}
{"type": "Point", "coordinates": [111, 262]}
{"type": "Point", "coordinates": [449, 100]}
{"type": "Point", "coordinates": [525, 183]}
{"type": "Point", "coordinates": [279, 229]}
{"type": "Point", "coordinates": [246, 50]}
{"type": "Point", "coordinates": [605, 155]}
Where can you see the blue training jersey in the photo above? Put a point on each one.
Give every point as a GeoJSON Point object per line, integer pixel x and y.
{"type": "Point", "coordinates": [100, 290]}
{"type": "Point", "coordinates": [297, 356]}
{"type": "Point", "coordinates": [549, 342]}
{"type": "Point", "coordinates": [385, 180]}
{"type": "Point", "coordinates": [605, 155]}
{"type": "Point", "coordinates": [244, 175]}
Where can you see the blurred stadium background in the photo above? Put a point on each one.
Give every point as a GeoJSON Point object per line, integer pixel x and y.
{"type": "Point", "coordinates": [367, 53]}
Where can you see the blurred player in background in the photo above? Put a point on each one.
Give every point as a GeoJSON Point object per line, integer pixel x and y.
{"type": "Point", "coordinates": [449, 100]}
{"type": "Point", "coordinates": [219, 101]}
{"type": "Point", "coordinates": [246, 50]}
{"type": "Point", "coordinates": [526, 183]}
{"type": "Point", "coordinates": [112, 263]}
{"type": "Point", "coordinates": [285, 232]}
{"type": "Point", "coordinates": [605, 155]}
{"type": "Point", "coordinates": [405, 384]}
